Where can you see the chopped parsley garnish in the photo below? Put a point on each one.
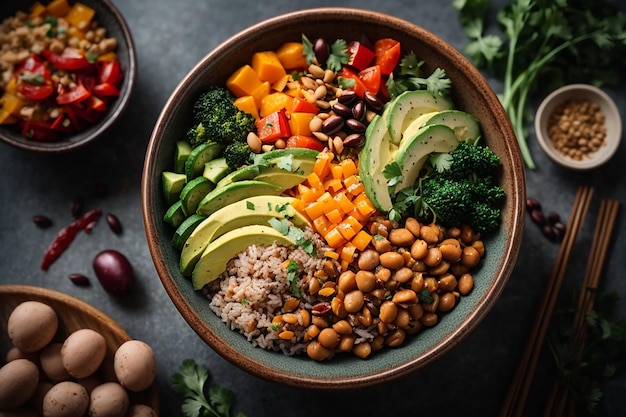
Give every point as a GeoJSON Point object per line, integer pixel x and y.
{"type": "Point", "coordinates": [250, 205]}
{"type": "Point", "coordinates": [410, 78]}
{"type": "Point", "coordinates": [338, 53]}
{"type": "Point", "coordinates": [425, 296]}
{"type": "Point", "coordinates": [292, 278]}
{"type": "Point", "coordinates": [295, 234]}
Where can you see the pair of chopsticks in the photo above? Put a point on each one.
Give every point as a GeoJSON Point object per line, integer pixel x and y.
{"type": "Point", "coordinates": [558, 399]}
{"type": "Point", "coordinates": [518, 391]}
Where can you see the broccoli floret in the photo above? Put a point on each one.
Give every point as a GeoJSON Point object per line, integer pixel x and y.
{"type": "Point", "coordinates": [217, 118]}
{"type": "Point", "coordinates": [466, 192]}
{"type": "Point", "coordinates": [238, 154]}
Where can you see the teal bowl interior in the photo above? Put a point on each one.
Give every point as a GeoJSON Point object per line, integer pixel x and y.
{"type": "Point", "coordinates": [109, 17]}
{"type": "Point", "coordinates": [471, 93]}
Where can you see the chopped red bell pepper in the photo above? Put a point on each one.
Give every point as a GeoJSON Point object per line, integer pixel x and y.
{"type": "Point", "coordinates": [34, 80]}
{"type": "Point", "coordinates": [106, 90]}
{"type": "Point", "coordinates": [371, 78]}
{"type": "Point", "coordinates": [71, 59]}
{"type": "Point", "coordinates": [302, 141]}
{"type": "Point", "coordinates": [75, 95]}
{"type": "Point", "coordinates": [360, 56]}
{"type": "Point", "coordinates": [387, 52]}
{"type": "Point", "coordinates": [39, 131]}
{"type": "Point", "coordinates": [109, 72]}
{"type": "Point", "coordinates": [62, 123]}
{"type": "Point", "coordinates": [358, 86]}
{"type": "Point", "coordinates": [299, 105]}
{"type": "Point", "coordinates": [274, 126]}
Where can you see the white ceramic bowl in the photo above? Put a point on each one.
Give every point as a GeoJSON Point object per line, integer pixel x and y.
{"type": "Point", "coordinates": [612, 122]}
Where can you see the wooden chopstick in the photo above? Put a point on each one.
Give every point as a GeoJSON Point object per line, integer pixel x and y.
{"type": "Point", "coordinates": [558, 398]}
{"type": "Point", "coordinates": [518, 391]}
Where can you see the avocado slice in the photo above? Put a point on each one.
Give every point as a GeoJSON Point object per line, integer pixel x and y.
{"type": "Point", "coordinates": [281, 177]}
{"type": "Point", "coordinates": [215, 257]}
{"type": "Point", "coordinates": [377, 152]}
{"type": "Point", "coordinates": [173, 183]}
{"type": "Point", "coordinates": [215, 170]}
{"type": "Point", "coordinates": [183, 149]}
{"type": "Point", "coordinates": [465, 126]}
{"type": "Point", "coordinates": [408, 106]}
{"type": "Point", "coordinates": [414, 151]}
{"type": "Point", "coordinates": [247, 172]}
{"type": "Point", "coordinates": [249, 211]}
{"type": "Point", "coordinates": [185, 229]}
{"type": "Point", "coordinates": [199, 156]}
{"type": "Point", "coordinates": [233, 192]}
{"type": "Point", "coordinates": [298, 160]}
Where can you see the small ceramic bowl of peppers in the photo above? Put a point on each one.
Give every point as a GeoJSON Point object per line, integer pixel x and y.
{"type": "Point", "coordinates": [67, 69]}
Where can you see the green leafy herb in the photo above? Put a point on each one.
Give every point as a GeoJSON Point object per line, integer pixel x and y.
{"type": "Point", "coordinates": [338, 56]}
{"type": "Point", "coordinates": [584, 367]}
{"type": "Point", "coordinates": [441, 161]}
{"type": "Point", "coordinates": [425, 296]}
{"type": "Point", "coordinates": [409, 78]}
{"type": "Point", "coordinates": [31, 78]}
{"type": "Point", "coordinates": [295, 234]}
{"type": "Point", "coordinates": [307, 49]}
{"type": "Point", "coordinates": [199, 400]}
{"type": "Point", "coordinates": [393, 173]}
{"type": "Point", "coordinates": [292, 278]}
{"type": "Point", "coordinates": [346, 83]}
{"type": "Point", "coordinates": [91, 56]}
{"type": "Point", "coordinates": [250, 205]}
{"type": "Point", "coordinates": [557, 40]}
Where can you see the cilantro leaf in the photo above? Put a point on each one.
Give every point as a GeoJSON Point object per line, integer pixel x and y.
{"type": "Point", "coordinates": [307, 49]}
{"type": "Point", "coordinates": [338, 56]}
{"type": "Point", "coordinates": [409, 78]}
{"type": "Point", "coordinates": [393, 174]}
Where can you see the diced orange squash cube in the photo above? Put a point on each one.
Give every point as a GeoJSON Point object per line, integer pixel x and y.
{"type": "Point", "coordinates": [348, 168]}
{"type": "Point", "coordinates": [267, 66]}
{"type": "Point", "coordinates": [80, 16]}
{"type": "Point", "coordinates": [299, 123]}
{"type": "Point", "coordinates": [353, 185]}
{"type": "Point", "coordinates": [244, 82]}
{"type": "Point", "coordinates": [336, 171]}
{"type": "Point", "coordinates": [37, 10]}
{"type": "Point", "coordinates": [335, 215]}
{"type": "Point", "coordinates": [311, 194]}
{"type": "Point", "coordinates": [346, 230]}
{"type": "Point", "coordinates": [281, 84]}
{"type": "Point", "coordinates": [348, 251]}
{"type": "Point", "coordinates": [261, 92]}
{"type": "Point", "coordinates": [314, 180]}
{"type": "Point", "coordinates": [333, 185]}
{"type": "Point", "coordinates": [331, 254]}
{"type": "Point", "coordinates": [248, 105]}
{"type": "Point", "coordinates": [291, 56]}
{"type": "Point", "coordinates": [361, 240]}
{"type": "Point", "coordinates": [293, 90]}
{"type": "Point", "coordinates": [365, 207]}
{"type": "Point", "coordinates": [298, 204]}
{"type": "Point", "coordinates": [344, 202]}
{"type": "Point", "coordinates": [58, 8]}
{"type": "Point", "coordinates": [322, 164]}
{"type": "Point", "coordinates": [74, 32]}
{"type": "Point", "coordinates": [358, 215]}
{"type": "Point", "coordinates": [274, 102]}
{"type": "Point", "coordinates": [109, 56]}
{"type": "Point", "coordinates": [334, 238]}
{"type": "Point", "coordinates": [322, 225]}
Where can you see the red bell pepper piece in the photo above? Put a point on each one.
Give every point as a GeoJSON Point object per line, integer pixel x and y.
{"type": "Point", "coordinates": [360, 56]}
{"type": "Point", "coordinates": [387, 52]}
{"type": "Point", "coordinates": [371, 78]}
{"type": "Point", "coordinates": [274, 126]}
{"type": "Point", "coordinates": [34, 80]}
{"type": "Point", "coordinates": [62, 123]}
{"type": "Point", "coordinates": [106, 90]}
{"type": "Point", "coordinates": [299, 105]}
{"type": "Point", "coordinates": [358, 86]}
{"type": "Point", "coordinates": [75, 95]}
{"type": "Point", "coordinates": [71, 59]}
{"type": "Point", "coordinates": [109, 72]}
{"type": "Point", "coordinates": [302, 141]}
{"type": "Point", "coordinates": [39, 131]}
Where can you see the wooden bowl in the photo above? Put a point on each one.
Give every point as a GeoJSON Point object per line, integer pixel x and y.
{"type": "Point", "coordinates": [73, 315]}
{"type": "Point", "coordinates": [471, 93]}
{"type": "Point", "coordinates": [110, 18]}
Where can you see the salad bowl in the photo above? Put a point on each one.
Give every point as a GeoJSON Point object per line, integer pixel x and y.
{"type": "Point", "coordinates": [470, 92]}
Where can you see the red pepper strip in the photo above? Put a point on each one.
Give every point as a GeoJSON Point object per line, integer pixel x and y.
{"type": "Point", "coordinates": [62, 123]}
{"type": "Point", "coordinates": [109, 90]}
{"type": "Point", "coordinates": [274, 126]}
{"type": "Point", "coordinates": [76, 94]}
{"type": "Point", "coordinates": [109, 72]}
{"type": "Point", "coordinates": [360, 56]}
{"type": "Point", "coordinates": [70, 59]}
{"type": "Point", "coordinates": [39, 131]}
{"type": "Point", "coordinates": [66, 236]}
{"type": "Point", "coordinates": [301, 141]}
{"type": "Point", "coordinates": [299, 105]}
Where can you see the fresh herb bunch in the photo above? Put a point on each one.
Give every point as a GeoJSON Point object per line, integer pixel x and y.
{"type": "Point", "coordinates": [202, 401]}
{"type": "Point", "coordinates": [409, 77]}
{"type": "Point", "coordinates": [602, 355]}
{"type": "Point", "coordinates": [562, 41]}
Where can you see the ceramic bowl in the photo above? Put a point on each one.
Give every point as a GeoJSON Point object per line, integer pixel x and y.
{"type": "Point", "coordinates": [579, 92]}
{"type": "Point", "coordinates": [73, 314]}
{"type": "Point", "coordinates": [471, 93]}
{"type": "Point", "coordinates": [108, 16]}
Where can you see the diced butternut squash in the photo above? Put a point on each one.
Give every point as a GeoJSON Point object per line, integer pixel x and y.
{"type": "Point", "coordinates": [274, 102]}
{"type": "Point", "coordinates": [37, 10]}
{"type": "Point", "coordinates": [58, 8]}
{"type": "Point", "coordinates": [281, 84]}
{"type": "Point", "coordinates": [300, 122]}
{"type": "Point", "coordinates": [267, 66]}
{"type": "Point", "coordinates": [258, 94]}
{"type": "Point", "coordinates": [80, 16]}
{"type": "Point", "coordinates": [291, 56]}
{"type": "Point", "coordinates": [248, 105]}
{"type": "Point", "coordinates": [244, 82]}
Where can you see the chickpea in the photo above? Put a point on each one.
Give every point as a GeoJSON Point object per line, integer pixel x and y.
{"type": "Point", "coordinates": [396, 338]}
{"type": "Point", "coordinates": [311, 332]}
{"type": "Point", "coordinates": [403, 275]}
{"type": "Point", "coordinates": [388, 312]}
{"type": "Point", "coordinates": [417, 282]}
{"type": "Point", "coordinates": [450, 250]}
{"type": "Point", "coordinates": [354, 301]}
{"type": "Point", "coordinates": [366, 281]}
{"type": "Point", "coordinates": [328, 338]}
{"type": "Point", "coordinates": [431, 284]}
{"type": "Point", "coordinates": [432, 306]}
{"type": "Point", "coordinates": [346, 342]}
{"type": "Point", "coordinates": [368, 260]}
{"type": "Point", "coordinates": [439, 269]}
{"type": "Point", "coordinates": [429, 234]}
{"type": "Point", "coordinates": [381, 244]}
{"type": "Point", "coordinates": [392, 260]}
{"type": "Point", "coordinates": [342, 327]}
{"type": "Point", "coordinates": [401, 237]}
{"type": "Point", "coordinates": [467, 234]}
{"type": "Point", "coordinates": [338, 308]}
{"type": "Point", "coordinates": [362, 350]}
{"type": "Point", "coordinates": [413, 226]}
{"type": "Point", "coordinates": [419, 249]}
{"type": "Point", "coordinates": [447, 301]}
{"type": "Point", "coordinates": [480, 247]}
{"type": "Point", "coordinates": [416, 311]}
{"type": "Point", "coordinates": [466, 283]}
{"type": "Point", "coordinates": [403, 318]}
{"type": "Point", "coordinates": [317, 351]}
{"type": "Point", "coordinates": [414, 327]}
{"type": "Point", "coordinates": [447, 282]}
{"type": "Point", "coordinates": [429, 319]}
{"type": "Point", "coordinates": [320, 322]}
{"type": "Point", "coordinates": [470, 256]}
{"type": "Point", "coordinates": [383, 274]}
{"type": "Point", "coordinates": [433, 257]}
{"type": "Point", "coordinates": [458, 269]}
{"type": "Point", "coordinates": [405, 298]}
{"type": "Point", "coordinates": [347, 281]}
{"type": "Point", "coordinates": [364, 317]}
{"type": "Point", "coordinates": [378, 343]}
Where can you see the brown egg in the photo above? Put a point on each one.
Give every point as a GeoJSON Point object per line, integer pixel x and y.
{"type": "Point", "coordinates": [32, 325]}
{"type": "Point", "coordinates": [66, 399]}
{"type": "Point", "coordinates": [135, 366]}
{"type": "Point", "coordinates": [83, 352]}
{"type": "Point", "coordinates": [52, 363]}
{"type": "Point", "coordinates": [18, 381]}
{"type": "Point", "coordinates": [108, 400]}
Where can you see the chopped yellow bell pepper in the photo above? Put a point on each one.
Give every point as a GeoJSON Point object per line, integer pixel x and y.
{"type": "Point", "coordinates": [37, 10]}
{"type": "Point", "coordinates": [80, 16]}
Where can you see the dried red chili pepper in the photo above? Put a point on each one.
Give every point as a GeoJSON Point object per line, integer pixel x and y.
{"type": "Point", "coordinates": [66, 236]}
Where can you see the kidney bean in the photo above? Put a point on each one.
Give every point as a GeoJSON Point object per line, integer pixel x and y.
{"type": "Point", "coordinates": [322, 50]}
{"type": "Point", "coordinates": [348, 97]}
{"type": "Point", "coordinates": [553, 217]}
{"type": "Point", "coordinates": [538, 217]}
{"type": "Point", "coordinates": [42, 221]}
{"type": "Point", "coordinates": [549, 232]}
{"type": "Point", "coordinates": [332, 125]}
{"type": "Point", "coordinates": [354, 140]}
{"type": "Point", "coordinates": [114, 272]}
{"type": "Point", "coordinates": [355, 125]}
{"type": "Point", "coordinates": [358, 111]}
{"type": "Point", "coordinates": [79, 279]}
{"type": "Point", "coordinates": [372, 101]}
{"type": "Point", "coordinates": [114, 224]}
{"type": "Point", "coordinates": [532, 204]}
{"type": "Point", "coordinates": [342, 110]}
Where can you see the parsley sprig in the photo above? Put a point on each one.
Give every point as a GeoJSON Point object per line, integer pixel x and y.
{"type": "Point", "coordinates": [199, 400]}
{"type": "Point", "coordinates": [338, 53]}
{"type": "Point", "coordinates": [409, 77]}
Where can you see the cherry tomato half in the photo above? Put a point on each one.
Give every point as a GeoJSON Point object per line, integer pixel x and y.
{"type": "Point", "coordinates": [371, 78]}
{"type": "Point", "coordinates": [33, 79]}
{"type": "Point", "coordinates": [109, 72]}
{"type": "Point", "coordinates": [70, 59]}
{"type": "Point", "coordinates": [75, 95]}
